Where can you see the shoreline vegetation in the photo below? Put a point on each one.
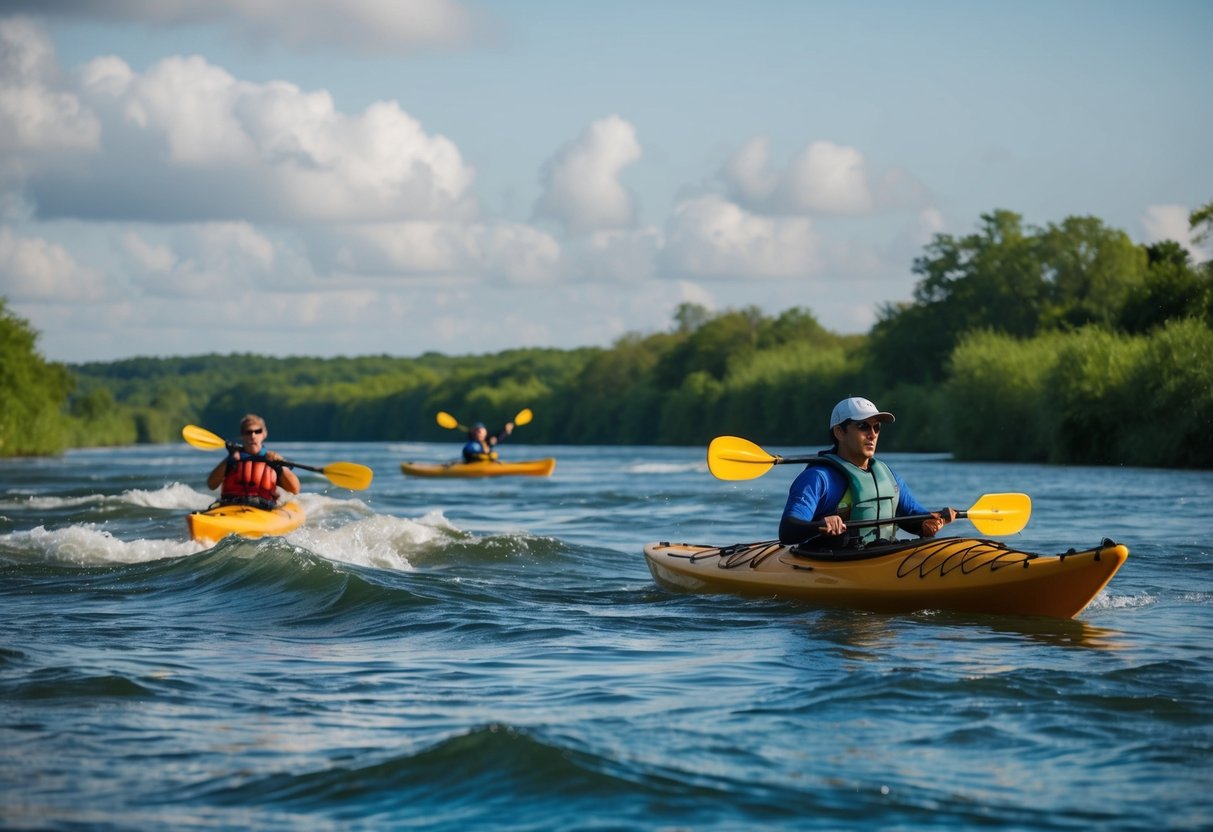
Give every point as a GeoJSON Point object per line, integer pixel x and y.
{"type": "Point", "coordinates": [1064, 344]}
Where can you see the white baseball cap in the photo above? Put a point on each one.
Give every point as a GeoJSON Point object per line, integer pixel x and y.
{"type": "Point", "coordinates": [857, 409]}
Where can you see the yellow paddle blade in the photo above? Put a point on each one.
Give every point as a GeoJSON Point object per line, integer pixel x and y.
{"type": "Point", "coordinates": [524, 417]}
{"type": "Point", "coordinates": [734, 458]}
{"type": "Point", "coordinates": [349, 475]}
{"type": "Point", "coordinates": [1000, 513]}
{"type": "Point", "coordinates": [202, 438]}
{"type": "Point", "coordinates": [446, 420]}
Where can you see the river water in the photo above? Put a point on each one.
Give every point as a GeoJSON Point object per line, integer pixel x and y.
{"type": "Point", "coordinates": [493, 654]}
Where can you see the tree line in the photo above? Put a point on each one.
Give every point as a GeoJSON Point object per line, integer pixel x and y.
{"type": "Point", "coordinates": [1065, 343]}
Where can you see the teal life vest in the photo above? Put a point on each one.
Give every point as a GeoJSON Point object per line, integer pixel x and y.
{"type": "Point", "coordinates": [870, 495]}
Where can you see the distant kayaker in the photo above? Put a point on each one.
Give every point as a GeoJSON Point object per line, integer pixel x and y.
{"type": "Point", "coordinates": [849, 483]}
{"type": "Point", "coordinates": [251, 475]}
{"type": "Point", "coordinates": [479, 447]}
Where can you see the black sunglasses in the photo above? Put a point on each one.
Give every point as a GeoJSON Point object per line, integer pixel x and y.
{"type": "Point", "coordinates": [864, 427]}
{"type": "Point", "coordinates": [252, 431]}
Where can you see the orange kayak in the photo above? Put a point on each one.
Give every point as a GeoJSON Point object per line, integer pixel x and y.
{"type": "Point", "coordinates": [958, 574]}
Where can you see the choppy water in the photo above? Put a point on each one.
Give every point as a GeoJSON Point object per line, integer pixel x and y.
{"type": "Point", "coordinates": [494, 654]}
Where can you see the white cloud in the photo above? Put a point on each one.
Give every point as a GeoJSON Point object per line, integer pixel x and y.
{"type": "Point", "coordinates": [614, 256]}
{"type": "Point", "coordinates": [710, 236]}
{"type": "Point", "coordinates": [186, 141]}
{"type": "Point", "coordinates": [147, 257]}
{"type": "Point", "coordinates": [748, 174]}
{"type": "Point", "coordinates": [403, 248]}
{"type": "Point", "coordinates": [827, 178]}
{"type": "Point", "coordinates": [364, 25]}
{"type": "Point", "coordinates": [518, 253]}
{"type": "Point", "coordinates": [503, 251]}
{"type": "Point", "coordinates": [211, 260]}
{"type": "Point", "coordinates": [822, 179]}
{"type": "Point", "coordinates": [35, 115]}
{"type": "Point", "coordinates": [581, 183]}
{"type": "Point", "coordinates": [32, 269]}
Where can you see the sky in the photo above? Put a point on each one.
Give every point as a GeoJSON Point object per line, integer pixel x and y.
{"type": "Point", "coordinates": [367, 177]}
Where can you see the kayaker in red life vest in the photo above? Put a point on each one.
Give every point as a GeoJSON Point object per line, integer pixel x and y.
{"type": "Point", "coordinates": [849, 483]}
{"type": "Point", "coordinates": [251, 475]}
{"type": "Point", "coordinates": [479, 447]}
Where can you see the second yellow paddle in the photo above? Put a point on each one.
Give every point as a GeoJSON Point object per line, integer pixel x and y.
{"type": "Point", "coordinates": [449, 422]}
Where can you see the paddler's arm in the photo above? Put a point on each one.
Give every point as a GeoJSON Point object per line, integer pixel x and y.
{"type": "Point", "coordinates": [287, 479]}
{"type": "Point", "coordinates": [793, 530]}
{"type": "Point", "coordinates": [502, 434]}
{"type": "Point", "coordinates": [814, 487]}
{"type": "Point", "coordinates": [907, 505]}
{"type": "Point", "coordinates": [215, 478]}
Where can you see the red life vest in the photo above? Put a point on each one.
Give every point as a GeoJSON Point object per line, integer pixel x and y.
{"type": "Point", "coordinates": [250, 481]}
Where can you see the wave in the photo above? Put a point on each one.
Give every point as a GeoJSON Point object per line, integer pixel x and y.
{"type": "Point", "coordinates": [666, 468]}
{"type": "Point", "coordinates": [174, 496]}
{"type": "Point", "coordinates": [481, 775]}
{"type": "Point", "coordinates": [88, 545]}
{"type": "Point", "coordinates": [376, 540]}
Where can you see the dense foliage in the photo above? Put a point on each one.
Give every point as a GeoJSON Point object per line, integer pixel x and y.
{"type": "Point", "coordinates": [32, 392]}
{"type": "Point", "coordinates": [1066, 343]}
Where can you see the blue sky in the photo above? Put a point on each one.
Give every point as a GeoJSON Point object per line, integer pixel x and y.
{"type": "Point", "coordinates": [297, 177]}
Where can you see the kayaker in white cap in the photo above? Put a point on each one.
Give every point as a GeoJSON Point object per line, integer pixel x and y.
{"type": "Point", "coordinates": [849, 483]}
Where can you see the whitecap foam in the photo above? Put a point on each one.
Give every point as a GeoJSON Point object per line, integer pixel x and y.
{"type": "Point", "coordinates": [174, 496]}
{"type": "Point", "coordinates": [666, 468]}
{"type": "Point", "coordinates": [87, 545]}
{"type": "Point", "coordinates": [320, 507]}
{"type": "Point", "coordinates": [1107, 601]}
{"type": "Point", "coordinates": [382, 541]}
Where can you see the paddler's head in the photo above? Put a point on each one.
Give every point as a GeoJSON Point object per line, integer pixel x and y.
{"type": "Point", "coordinates": [252, 433]}
{"type": "Point", "coordinates": [478, 431]}
{"type": "Point", "coordinates": [855, 429]}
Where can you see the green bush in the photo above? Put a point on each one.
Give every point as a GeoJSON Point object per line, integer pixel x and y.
{"type": "Point", "coordinates": [1090, 402]}
{"type": "Point", "coordinates": [1171, 397]}
{"type": "Point", "coordinates": [996, 397]}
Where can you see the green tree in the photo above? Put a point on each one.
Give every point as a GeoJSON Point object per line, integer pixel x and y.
{"type": "Point", "coordinates": [1172, 289]}
{"type": "Point", "coordinates": [1090, 270]}
{"type": "Point", "coordinates": [992, 279]}
{"type": "Point", "coordinates": [33, 392]}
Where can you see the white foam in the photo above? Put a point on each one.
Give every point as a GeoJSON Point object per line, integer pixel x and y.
{"type": "Point", "coordinates": [87, 545]}
{"type": "Point", "coordinates": [666, 468]}
{"type": "Point", "coordinates": [379, 540]}
{"type": "Point", "coordinates": [1107, 601]}
{"type": "Point", "coordinates": [173, 496]}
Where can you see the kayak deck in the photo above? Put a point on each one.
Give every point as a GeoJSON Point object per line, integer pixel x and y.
{"type": "Point", "coordinates": [956, 574]}
{"type": "Point", "coordinates": [525, 468]}
{"type": "Point", "coordinates": [216, 523]}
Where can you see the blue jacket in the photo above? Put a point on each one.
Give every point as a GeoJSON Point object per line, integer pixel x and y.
{"type": "Point", "coordinates": [815, 494]}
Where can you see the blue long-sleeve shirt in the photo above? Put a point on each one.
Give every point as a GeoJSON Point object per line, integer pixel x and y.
{"type": "Point", "coordinates": [815, 494]}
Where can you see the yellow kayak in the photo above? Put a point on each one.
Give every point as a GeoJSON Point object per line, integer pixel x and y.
{"type": "Point", "coordinates": [218, 522]}
{"type": "Point", "coordinates": [951, 573]}
{"type": "Point", "coordinates": [525, 468]}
